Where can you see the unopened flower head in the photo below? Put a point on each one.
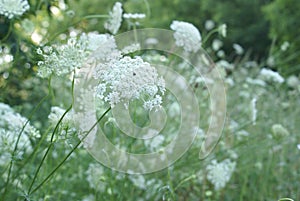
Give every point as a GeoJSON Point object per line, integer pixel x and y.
{"type": "Point", "coordinates": [125, 79]}
{"type": "Point", "coordinates": [222, 29]}
{"type": "Point", "coordinates": [220, 173]}
{"type": "Point", "coordinates": [238, 49]}
{"type": "Point", "coordinates": [114, 22]}
{"type": "Point", "coordinates": [13, 8]}
{"type": "Point", "coordinates": [279, 131]}
{"type": "Point", "coordinates": [209, 25]}
{"type": "Point", "coordinates": [285, 46]}
{"type": "Point", "coordinates": [187, 36]}
{"type": "Point", "coordinates": [270, 75]}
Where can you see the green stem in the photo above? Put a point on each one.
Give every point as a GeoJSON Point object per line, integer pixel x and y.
{"type": "Point", "coordinates": [16, 146]}
{"type": "Point", "coordinates": [185, 180]}
{"type": "Point", "coordinates": [209, 35]}
{"type": "Point", "coordinates": [52, 138]}
{"type": "Point", "coordinates": [95, 16]}
{"type": "Point", "coordinates": [69, 154]}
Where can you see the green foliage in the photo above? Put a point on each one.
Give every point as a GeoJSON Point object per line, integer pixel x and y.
{"type": "Point", "coordinates": [285, 27]}
{"type": "Point", "coordinates": [245, 21]}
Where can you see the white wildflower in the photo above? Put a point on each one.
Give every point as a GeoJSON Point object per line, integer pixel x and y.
{"type": "Point", "coordinates": [209, 25]}
{"type": "Point", "coordinates": [221, 53]}
{"type": "Point", "coordinates": [187, 36]}
{"type": "Point", "coordinates": [95, 177]}
{"type": "Point", "coordinates": [114, 22]}
{"type": "Point", "coordinates": [220, 173]}
{"type": "Point", "coordinates": [285, 46]}
{"type": "Point", "coordinates": [222, 29]}
{"type": "Point", "coordinates": [253, 110]}
{"type": "Point", "coordinates": [65, 58]}
{"type": "Point", "coordinates": [256, 82]}
{"type": "Point", "coordinates": [11, 125]}
{"type": "Point", "coordinates": [225, 64]}
{"type": "Point", "coordinates": [174, 110]}
{"type": "Point", "coordinates": [131, 48]}
{"type": "Point", "coordinates": [238, 49]}
{"type": "Point", "coordinates": [241, 134]}
{"type": "Point", "coordinates": [270, 75]}
{"type": "Point", "coordinates": [298, 146]}
{"type": "Point", "coordinates": [57, 113]}
{"type": "Point", "coordinates": [13, 8]}
{"type": "Point", "coordinates": [155, 142]}
{"type": "Point", "coordinates": [216, 44]}
{"type": "Point", "coordinates": [134, 16]}
{"type": "Point", "coordinates": [271, 61]}
{"type": "Point", "coordinates": [126, 79]}
{"type": "Point", "coordinates": [138, 180]}
{"type": "Point", "coordinates": [293, 81]}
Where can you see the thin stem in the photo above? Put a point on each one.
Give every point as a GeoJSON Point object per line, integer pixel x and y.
{"type": "Point", "coordinates": [148, 8]}
{"type": "Point", "coordinates": [185, 180]}
{"type": "Point", "coordinates": [52, 138]}
{"type": "Point", "coordinates": [16, 145]}
{"type": "Point", "coordinates": [69, 154]}
{"type": "Point", "coordinates": [209, 35]}
{"type": "Point", "coordinates": [95, 16]}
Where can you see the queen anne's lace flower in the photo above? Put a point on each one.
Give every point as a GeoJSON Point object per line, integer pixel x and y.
{"type": "Point", "coordinates": [12, 8]}
{"type": "Point", "coordinates": [219, 173]}
{"type": "Point", "coordinates": [11, 124]}
{"type": "Point", "coordinates": [114, 22]}
{"type": "Point", "coordinates": [125, 79]}
{"type": "Point", "coordinates": [270, 75]}
{"type": "Point", "coordinates": [187, 36]}
{"type": "Point", "coordinates": [65, 58]}
{"type": "Point", "coordinates": [95, 177]}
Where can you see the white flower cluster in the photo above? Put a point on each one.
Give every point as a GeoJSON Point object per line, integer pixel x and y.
{"type": "Point", "coordinates": [57, 113]}
{"type": "Point", "coordinates": [270, 75]}
{"type": "Point", "coordinates": [187, 36]}
{"type": "Point", "coordinates": [95, 177]}
{"type": "Point", "coordinates": [64, 59]}
{"type": "Point", "coordinates": [219, 173]}
{"type": "Point", "coordinates": [13, 8]}
{"type": "Point", "coordinates": [11, 124]}
{"type": "Point", "coordinates": [134, 15]}
{"type": "Point", "coordinates": [114, 22]}
{"type": "Point", "coordinates": [129, 78]}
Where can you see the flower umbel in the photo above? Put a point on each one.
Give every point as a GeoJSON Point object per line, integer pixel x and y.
{"type": "Point", "coordinates": [11, 124]}
{"type": "Point", "coordinates": [13, 8]}
{"type": "Point", "coordinates": [129, 78]}
{"type": "Point", "coordinates": [270, 75]}
{"type": "Point", "coordinates": [114, 22]}
{"type": "Point", "coordinates": [219, 173]}
{"type": "Point", "coordinates": [65, 58]}
{"type": "Point", "coordinates": [186, 35]}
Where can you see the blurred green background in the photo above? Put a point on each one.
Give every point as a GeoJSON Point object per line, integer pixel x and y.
{"type": "Point", "coordinates": [261, 27]}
